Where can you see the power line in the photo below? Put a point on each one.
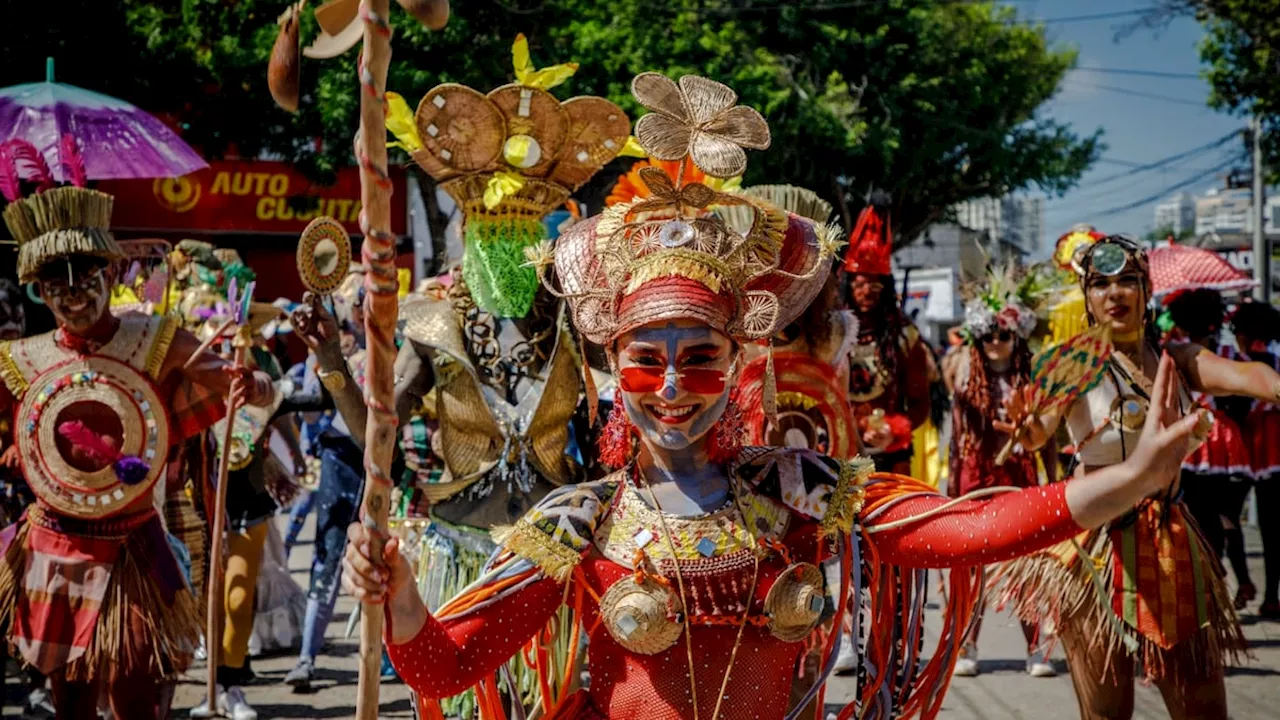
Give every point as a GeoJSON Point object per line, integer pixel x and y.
{"type": "Point", "coordinates": [1140, 73]}
{"type": "Point", "coordinates": [1170, 159]}
{"type": "Point", "coordinates": [1152, 198]}
{"type": "Point", "coordinates": [1089, 18]}
{"type": "Point", "coordinates": [1141, 94]}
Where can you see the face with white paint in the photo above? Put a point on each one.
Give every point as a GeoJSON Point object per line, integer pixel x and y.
{"type": "Point", "coordinates": [76, 290]}
{"type": "Point", "coordinates": [675, 378]}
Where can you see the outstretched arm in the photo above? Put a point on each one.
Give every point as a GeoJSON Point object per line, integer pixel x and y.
{"type": "Point", "coordinates": [476, 633]}
{"type": "Point", "coordinates": [1213, 374]}
{"type": "Point", "coordinates": [915, 528]}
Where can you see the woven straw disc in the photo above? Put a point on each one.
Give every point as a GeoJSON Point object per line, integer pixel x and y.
{"type": "Point", "coordinates": [795, 602]}
{"type": "Point", "coordinates": [637, 617]}
{"type": "Point", "coordinates": [536, 114]}
{"type": "Point", "coordinates": [461, 130]}
{"type": "Point", "coordinates": [598, 129]}
{"type": "Point", "coordinates": [323, 269]}
{"type": "Point", "coordinates": [104, 385]}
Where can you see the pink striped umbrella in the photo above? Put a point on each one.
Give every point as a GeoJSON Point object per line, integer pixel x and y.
{"type": "Point", "coordinates": [1181, 267]}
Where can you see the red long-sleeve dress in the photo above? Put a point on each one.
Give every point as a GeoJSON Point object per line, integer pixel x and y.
{"type": "Point", "coordinates": [794, 507]}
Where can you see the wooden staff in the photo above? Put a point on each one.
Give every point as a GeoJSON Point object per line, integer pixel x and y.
{"type": "Point", "coordinates": [213, 621]}
{"type": "Point", "coordinates": [380, 310]}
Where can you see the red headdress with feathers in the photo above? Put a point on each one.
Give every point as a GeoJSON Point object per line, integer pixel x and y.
{"type": "Point", "coordinates": [871, 242]}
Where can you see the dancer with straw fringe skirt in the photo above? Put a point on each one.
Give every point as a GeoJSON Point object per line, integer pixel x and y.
{"type": "Point", "coordinates": [91, 592]}
{"type": "Point", "coordinates": [694, 569]}
{"type": "Point", "coordinates": [1143, 594]}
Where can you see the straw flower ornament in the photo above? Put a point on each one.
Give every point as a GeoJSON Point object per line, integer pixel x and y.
{"type": "Point", "coordinates": [665, 255]}
{"type": "Point", "coordinates": [697, 119]}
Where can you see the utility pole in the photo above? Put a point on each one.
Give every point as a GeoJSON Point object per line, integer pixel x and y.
{"type": "Point", "coordinates": [1261, 248]}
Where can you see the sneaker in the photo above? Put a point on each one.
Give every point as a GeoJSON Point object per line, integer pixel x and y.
{"type": "Point", "coordinates": [967, 665]}
{"type": "Point", "coordinates": [39, 706]}
{"type": "Point", "coordinates": [203, 711]}
{"type": "Point", "coordinates": [237, 708]}
{"type": "Point", "coordinates": [847, 660]}
{"type": "Point", "coordinates": [299, 678]}
{"type": "Point", "coordinates": [1038, 666]}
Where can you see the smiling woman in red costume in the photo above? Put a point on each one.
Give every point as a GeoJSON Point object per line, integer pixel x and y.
{"type": "Point", "coordinates": [694, 569]}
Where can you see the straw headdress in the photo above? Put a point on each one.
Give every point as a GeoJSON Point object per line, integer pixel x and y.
{"type": "Point", "coordinates": [54, 222]}
{"type": "Point", "coordinates": [666, 256]}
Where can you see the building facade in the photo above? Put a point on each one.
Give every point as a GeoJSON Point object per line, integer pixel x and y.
{"type": "Point", "coordinates": [1011, 221]}
{"type": "Point", "coordinates": [1177, 214]}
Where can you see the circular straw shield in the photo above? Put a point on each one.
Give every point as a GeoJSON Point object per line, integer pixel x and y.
{"type": "Point", "coordinates": [461, 131]}
{"type": "Point", "coordinates": [324, 255]}
{"type": "Point", "coordinates": [598, 130]}
{"type": "Point", "coordinates": [93, 437]}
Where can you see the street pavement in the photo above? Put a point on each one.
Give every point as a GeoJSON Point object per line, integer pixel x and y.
{"type": "Point", "coordinates": [1002, 692]}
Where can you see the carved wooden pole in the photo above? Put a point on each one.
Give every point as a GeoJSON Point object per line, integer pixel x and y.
{"type": "Point", "coordinates": [380, 309]}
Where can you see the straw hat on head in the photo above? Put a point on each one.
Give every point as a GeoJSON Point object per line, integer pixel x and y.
{"type": "Point", "coordinates": [59, 223]}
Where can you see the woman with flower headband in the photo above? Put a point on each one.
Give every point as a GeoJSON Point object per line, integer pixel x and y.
{"type": "Point", "coordinates": [1142, 591]}
{"type": "Point", "coordinates": [994, 363]}
{"type": "Point", "coordinates": [694, 568]}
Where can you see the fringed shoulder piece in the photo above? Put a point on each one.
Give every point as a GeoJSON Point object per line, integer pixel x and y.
{"type": "Point", "coordinates": [811, 485]}
{"type": "Point", "coordinates": [556, 534]}
{"type": "Point", "coordinates": [10, 372]}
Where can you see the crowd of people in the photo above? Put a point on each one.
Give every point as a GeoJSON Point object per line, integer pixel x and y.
{"type": "Point", "coordinates": [665, 448]}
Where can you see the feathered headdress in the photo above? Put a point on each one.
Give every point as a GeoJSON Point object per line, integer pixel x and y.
{"type": "Point", "coordinates": [1007, 300]}
{"type": "Point", "coordinates": [871, 242]}
{"type": "Point", "coordinates": [53, 222]}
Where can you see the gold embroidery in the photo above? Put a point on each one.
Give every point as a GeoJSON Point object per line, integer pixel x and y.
{"type": "Point", "coordinates": [160, 347]}
{"type": "Point", "coordinates": [847, 499]}
{"type": "Point", "coordinates": [9, 372]}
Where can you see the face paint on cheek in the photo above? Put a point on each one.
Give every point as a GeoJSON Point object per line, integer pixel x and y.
{"type": "Point", "coordinates": [709, 416]}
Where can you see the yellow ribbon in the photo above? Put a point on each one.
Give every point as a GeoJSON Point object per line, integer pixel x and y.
{"type": "Point", "coordinates": [634, 149]}
{"type": "Point", "coordinates": [529, 76]}
{"type": "Point", "coordinates": [501, 185]}
{"type": "Point", "coordinates": [400, 123]}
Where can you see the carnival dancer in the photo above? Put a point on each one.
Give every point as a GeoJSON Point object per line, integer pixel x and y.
{"type": "Point", "coordinates": [90, 590]}
{"type": "Point", "coordinates": [495, 363]}
{"type": "Point", "coordinates": [1142, 593]}
{"type": "Point", "coordinates": [1257, 331]}
{"type": "Point", "coordinates": [695, 565]}
{"type": "Point", "coordinates": [995, 362]}
{"type": "Point", "coordinates": [1217, 477]}
{"type": "Point", "coordinates": [890, 367]}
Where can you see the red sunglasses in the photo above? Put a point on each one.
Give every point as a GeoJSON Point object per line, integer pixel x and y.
{"type": "Point", "coordinates": [652, 378]}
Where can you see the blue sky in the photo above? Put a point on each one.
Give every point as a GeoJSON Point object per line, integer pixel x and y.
{"type": "Point", "coordinates": [1137, 129]}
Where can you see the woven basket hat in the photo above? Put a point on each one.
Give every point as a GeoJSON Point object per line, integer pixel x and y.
{"type": "Point", "coordinates": [667, 256]}
{"type": "Point", "coordinates": [58, 223]}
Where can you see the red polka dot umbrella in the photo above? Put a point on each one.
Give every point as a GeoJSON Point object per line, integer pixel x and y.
{"type": "Point", "coordinates": [1175, 268]}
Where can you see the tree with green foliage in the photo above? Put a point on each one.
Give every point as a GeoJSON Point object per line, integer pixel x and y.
{"type": "Point", "coordinates": [935, 101]}
{"type": "Point", "coordinates": [1241, 54]}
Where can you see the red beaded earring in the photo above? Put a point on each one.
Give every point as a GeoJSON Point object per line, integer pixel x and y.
{"type": "Point", "coordinates": [616, 445]}
{"type": "Point", "coordinates": [724, 440]}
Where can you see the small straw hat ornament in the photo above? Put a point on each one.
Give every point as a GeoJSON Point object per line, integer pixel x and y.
{"type": "Point", "coordinates": [54, 222]}
{"type": "Point", "coordinates": [667, 256]}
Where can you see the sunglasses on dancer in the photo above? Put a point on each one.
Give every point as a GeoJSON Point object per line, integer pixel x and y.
{"type": "Point", "coordinates": [650, 374]}
{"type": "Point", "coordinates": [1003, 336]}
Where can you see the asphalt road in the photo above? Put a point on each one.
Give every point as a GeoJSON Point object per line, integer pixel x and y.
{"type": "Point", "coordinates": [1002, 692]}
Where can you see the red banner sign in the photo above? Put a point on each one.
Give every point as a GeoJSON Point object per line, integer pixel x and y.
{"type": "Point", "coordinates": [245, 197]}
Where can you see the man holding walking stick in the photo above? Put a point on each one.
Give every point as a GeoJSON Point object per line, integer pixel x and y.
{"type": "Point", "coordinates": [91, 592]}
